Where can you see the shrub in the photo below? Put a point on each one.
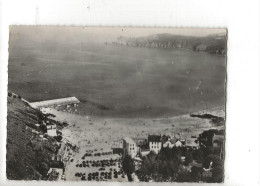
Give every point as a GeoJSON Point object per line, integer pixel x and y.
{"type": "Point", "coordinates": [58, 138]}
{"type": "Point", "coordinates": [195, 174]}
{"type": "Point", "coordinates": [217, 174]}
{"type": "Point", "coordinates": [184, 176]}
{"type": "Point", "coordinates": [43, 128]}
{"type": "Point", "coordinates": [129, 176]}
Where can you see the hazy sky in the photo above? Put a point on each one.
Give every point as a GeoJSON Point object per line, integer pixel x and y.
{"type": "Point", "coordinates": [99, 34]}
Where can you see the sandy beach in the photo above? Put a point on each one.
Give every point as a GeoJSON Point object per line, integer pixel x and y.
{"type": "Point", "coordinates": [100, 134]}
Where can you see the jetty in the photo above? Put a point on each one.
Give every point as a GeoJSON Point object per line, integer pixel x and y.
{"type": "Point", "coordinates": [61, 101]}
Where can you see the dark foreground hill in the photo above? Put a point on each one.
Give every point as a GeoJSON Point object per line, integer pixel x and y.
{"type": "Point", "coordinates": [28, 152]}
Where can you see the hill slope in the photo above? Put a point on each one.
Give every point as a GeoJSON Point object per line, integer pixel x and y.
{"type": "Point", "coordinates": [213, 44]}
{"type": "Point", "coordinates": [28, 154]}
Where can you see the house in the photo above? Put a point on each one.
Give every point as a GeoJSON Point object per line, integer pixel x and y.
{"type": "Point", "coordinates": [57, 158]}
{"type": "Point", "coordinates": [140, 141]}
{"type": "Point", "coordinates": [155, 143]}
{"type": "Point", "coordinates": [218, 141]}
{"type": "Point", "coordinates": [170, 143]}
{"type": "Point", "coordinates": [167, 144]}
{"type": "Point", "coordinates": [52, 130]}
{"type": "Point", "coordinates": [129, 147]}
{"type": "Point", "coordinates": [117, 147]}
{"type": "Point", "coordinates": [192, 143]}
{"type": "Point", "coordinates": [178, 136]}
{"type": "Point", "coordinates": [144, 149]}
{"type": "Point", "coordinates": [178, 143]}
{"type": "Point", "coordinates": [165, 138]}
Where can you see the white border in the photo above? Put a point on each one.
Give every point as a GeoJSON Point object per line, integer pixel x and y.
{"type": "Point", "coordinates": [241, 17]}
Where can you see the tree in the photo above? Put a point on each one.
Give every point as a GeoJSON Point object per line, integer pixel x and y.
{"type": "Point", "coordinates": [188, 158]}
{"type": "Point", "coordinates": [195, 174]}
{"type": "Point", "coordinates": [161, 167]}
{"type": "Point", "coordinates": [212, 158]}
{"type": "Point", "coordinates": [58, 138]}
{"type": "Point", "coordinates": [43, 128]}
{"type": "Point", "coordinates": [184, 176]}
{"type": "Point", "coordinates": [128, 166]}
{"type": "Point", "coordinates": [208, 150]}
{"type": "Point", "coordinates": [217, 174]}
{"type": "Point", "coordinates": [198, 155]}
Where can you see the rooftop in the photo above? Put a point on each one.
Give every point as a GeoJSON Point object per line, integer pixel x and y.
{"type": "Point", "coordinates": [154, 138]}
{"type": "Point", "coordinates": [129, 140]}
{"type": "Point", "coordinates": [191, 142]}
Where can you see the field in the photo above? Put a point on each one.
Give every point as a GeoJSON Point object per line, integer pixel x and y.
{"type": "Point", "coordinates": [114, 81]}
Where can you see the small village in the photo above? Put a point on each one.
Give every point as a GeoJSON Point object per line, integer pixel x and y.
{"type": "Point", "coordinates": [132, 158]}
{"type": "Point", "coordinates": [106, 164]}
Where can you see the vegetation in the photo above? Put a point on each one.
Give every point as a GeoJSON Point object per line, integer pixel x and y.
{"type": "Point", "coordinates": [161, 167]}
{"type": "Point", "coordinates": [28, 157]}
{"type": "Point", "coordinates": [195, 174]}
{"type": "Point", "coordinates": [128, 166]}
{"type": "Point", "coordinates": [188, 157]}
{"type": "Point", "coordinates": [168, 166]}
{"type": "Point", "coordinates": [184, 176]}
{"type": "Point", "coordinates": [217, 168]}
{"type": "Point", "coordinates": [58, 138]}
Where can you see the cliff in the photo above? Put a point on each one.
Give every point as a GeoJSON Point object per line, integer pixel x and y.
{"type": "Point", "coordinates": [213, 44]}
{"type": "Point", "coordinates": [29, 150]}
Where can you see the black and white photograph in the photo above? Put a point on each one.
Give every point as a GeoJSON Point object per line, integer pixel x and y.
{"type": "Point", "coordinates": [116, 104]}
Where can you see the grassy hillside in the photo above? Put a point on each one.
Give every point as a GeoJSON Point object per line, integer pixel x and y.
{"type": "Point", "coordinates": [28, 155]}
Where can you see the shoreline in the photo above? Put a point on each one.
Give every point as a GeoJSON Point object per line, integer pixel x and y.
{"type": "Point", "coordinates": [102, 134]}
{"type": "Point", "coordinates": [185, 49]}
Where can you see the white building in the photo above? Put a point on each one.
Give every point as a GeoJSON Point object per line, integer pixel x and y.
{"type": "Point", "coordinates": [178, 144]}
{"type": "Point", "coordinates": [129, 147]}
{"type": "Point", "coordinates": [192, 143]}
{"type": "Point", "coordinates": [52, 130]}
{"type": "Point", "coordinates": [155, 143]}
{"type": "Point", "coordinates": [172, 143]}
